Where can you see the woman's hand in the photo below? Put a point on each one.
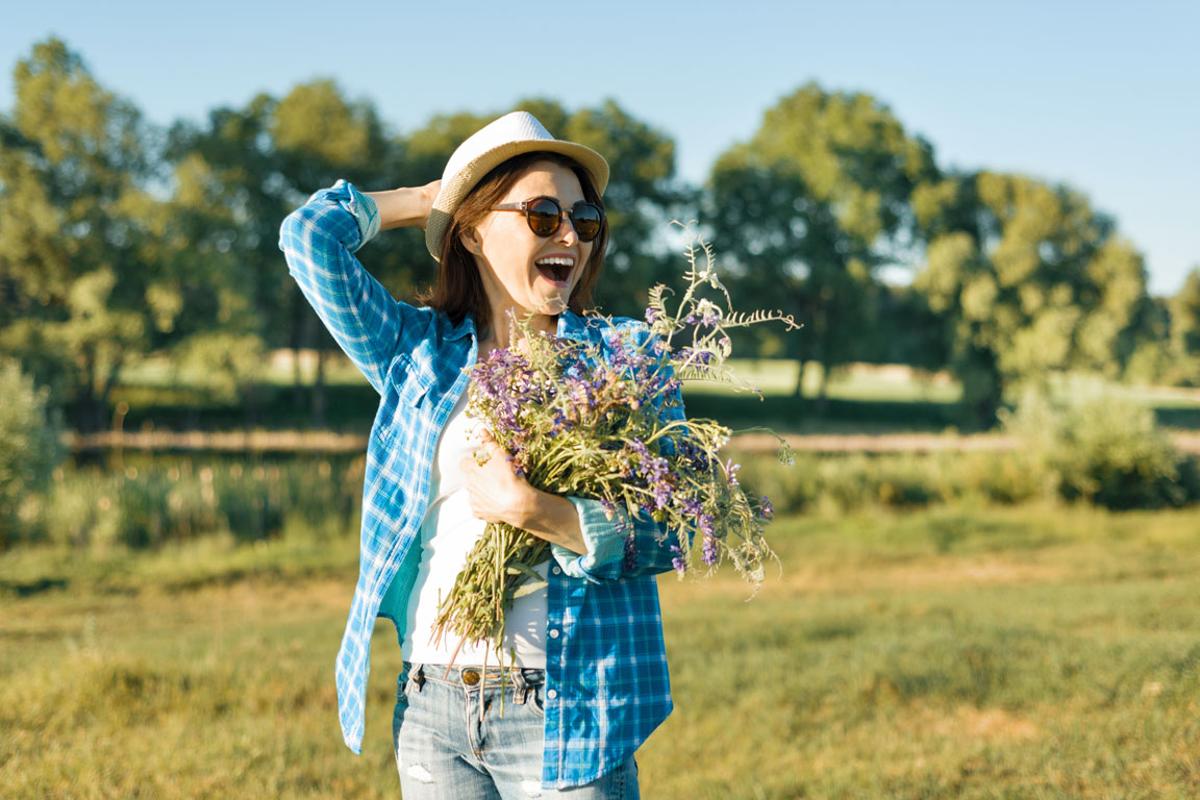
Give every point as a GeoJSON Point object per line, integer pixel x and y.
{"type": "Point", "coordinates": [429, 193]}
{"type": "Point", "coordinates": [495, 491]}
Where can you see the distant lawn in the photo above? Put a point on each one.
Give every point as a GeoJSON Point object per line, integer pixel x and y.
{"type": "Point", "coordinates": [861, 399]}
{"type": "Point", "coordinates": [953, 653]}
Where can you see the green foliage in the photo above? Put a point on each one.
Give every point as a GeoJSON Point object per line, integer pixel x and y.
{"type": "Point", "coordinates": [1103, 449]}
{"type": "Point", "coordinates": [98, 269]}
{"type": "Point", "coordinates": [839, 484]}
{"type": "Point", "coordinates": [1031, 281]}
{"type": "Point", "coordinates": [1185, 330]}
{"type": "Point", "coordinates": [73, 162]}
{"type": "Point", "coordinates": [29, 450]}
{"type": "Point", "coordinates": [811, 206]}
{"type": "Point", "coordinates": [150, 504]}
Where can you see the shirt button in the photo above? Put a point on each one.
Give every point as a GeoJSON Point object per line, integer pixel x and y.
{"type": "Point", "coordinates": [553, 633]}
{"type": "Point", "coordinates": [551, 694]}
{"type": "Point", "coordinates": [556, 570]}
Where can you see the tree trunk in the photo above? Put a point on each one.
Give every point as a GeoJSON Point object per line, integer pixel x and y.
{"type": "Point", "coordinates": [89, 411]}
{"type": "Point", "coordinates": [798, 389]}
{"type": "Point", "coordinates": [301, 324]}
{"type": "Point", "coordinates": [822, 404]}
{"type": "Point", "coordinates": [318, 394]}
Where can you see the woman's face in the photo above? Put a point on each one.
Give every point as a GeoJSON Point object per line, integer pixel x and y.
{"type": "Point", "coordinates": [507, 251]}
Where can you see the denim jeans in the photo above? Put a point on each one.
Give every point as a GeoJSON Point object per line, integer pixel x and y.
{"type": "Point", "coordinates": [445, 751]}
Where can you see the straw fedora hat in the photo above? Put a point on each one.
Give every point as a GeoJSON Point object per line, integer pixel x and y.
{"type": "Point", "coordinates": [493, 144]}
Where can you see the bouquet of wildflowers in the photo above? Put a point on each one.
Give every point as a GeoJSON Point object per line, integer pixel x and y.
{"type": "Point", "coordinates": [608, 423]}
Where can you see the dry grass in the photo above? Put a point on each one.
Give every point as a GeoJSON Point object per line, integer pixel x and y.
{"type": "Point", "coordinates": [1030, 652]}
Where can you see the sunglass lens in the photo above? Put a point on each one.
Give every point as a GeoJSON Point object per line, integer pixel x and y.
{"type": "Point", "coordinates": [544, 215]}
{"type": "Point", "coordinates": [587, 218]}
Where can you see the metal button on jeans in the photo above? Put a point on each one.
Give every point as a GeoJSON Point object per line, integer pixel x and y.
{"type": "Point", "coordinates": [470, 677]}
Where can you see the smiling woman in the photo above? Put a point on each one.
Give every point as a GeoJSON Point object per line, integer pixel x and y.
{"type": "Point", "coordinates": [490, 260]}
{"type": "Point", "coordinates": [517, 226]}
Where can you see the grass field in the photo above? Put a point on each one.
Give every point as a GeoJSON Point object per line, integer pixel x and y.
{"type": "Point", "coordinates": [864, 398]}
{"type": "Point", "coordinates": [955, 653]}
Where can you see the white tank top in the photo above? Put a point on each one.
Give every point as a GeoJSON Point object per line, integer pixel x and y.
{"type": "Point", "coordinates": [448, 533]}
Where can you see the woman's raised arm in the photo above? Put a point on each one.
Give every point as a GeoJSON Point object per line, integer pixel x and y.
{"type": "Point", "coordinates": [319, 240]}
{"type": "Point", "coordinates": [405, 207]}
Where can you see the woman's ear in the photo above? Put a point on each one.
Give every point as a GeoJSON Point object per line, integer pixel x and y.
{"type": "Point", "coordinates": [470, 240]}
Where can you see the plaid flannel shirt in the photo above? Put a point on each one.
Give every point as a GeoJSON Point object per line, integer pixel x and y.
{"type": "Point", "coordinates": [607, 684]}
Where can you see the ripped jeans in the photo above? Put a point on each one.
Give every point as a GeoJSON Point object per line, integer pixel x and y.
{"type": "Point", "coordinates": [444, 751]}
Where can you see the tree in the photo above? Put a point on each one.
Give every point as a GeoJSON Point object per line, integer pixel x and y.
{"type": "Point", "coordinates": [74, 161]}
{"type": "Point", "coordinates": [1030, 280]}
{"type": "Point", "coordinates": [1185, 328]}
{"type": "Point", "coordinates": [321, 136]}
{"type": "Point", "coordinates": [810, 208]}
{"type": "Point", "coordinates": [237, 176]}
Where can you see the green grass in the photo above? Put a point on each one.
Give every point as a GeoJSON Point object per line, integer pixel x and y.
{"type": "Point", "coordinates": [1033, 652]}
{"type": "Point", "coordinates": [868, 400]}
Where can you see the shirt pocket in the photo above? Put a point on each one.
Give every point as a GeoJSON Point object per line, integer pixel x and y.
{"type": "Point", "coordinates": [410, 381]}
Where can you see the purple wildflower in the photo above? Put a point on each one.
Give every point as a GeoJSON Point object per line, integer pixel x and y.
{"type": "Point", "coordinates": [630, 557]}
{"type": "Point", "coordinates": [677, 560]}
{"type": "Point", "coordinates": [731, 469]}
{"type": "Point", "coordinates": [709, 553]}
{"type": "Point", "coordinates": [765, 509]}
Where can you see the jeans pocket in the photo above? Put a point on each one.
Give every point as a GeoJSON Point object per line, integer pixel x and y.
{"type": "Point", "coordinates": [402, 688]}
{"type": "Point", "coordinates": [535, 702]}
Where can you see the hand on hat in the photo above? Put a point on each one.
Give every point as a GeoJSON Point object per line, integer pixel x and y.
{"type": "Point", "coordinates": [429, 193]}
{"type": "Point", "coordinates": [406, 207]}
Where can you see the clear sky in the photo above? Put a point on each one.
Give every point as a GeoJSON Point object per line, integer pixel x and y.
{"type": "Point", "coordinates": [1102, 95]}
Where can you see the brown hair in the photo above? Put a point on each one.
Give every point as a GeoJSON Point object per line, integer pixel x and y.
{"type": "Point", "coordinates": [459, 289]}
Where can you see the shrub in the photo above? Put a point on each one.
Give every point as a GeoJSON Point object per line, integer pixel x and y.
{"type": "Point", "coordinates": [29, 450]}
{"type": "Point", "coordinates": [159, 500]}
{"type": "Point", "coordinates": [1103, 449]}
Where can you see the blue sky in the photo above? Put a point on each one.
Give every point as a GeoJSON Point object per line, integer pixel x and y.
{"type": "Point", "coordinates": [1101, 95]}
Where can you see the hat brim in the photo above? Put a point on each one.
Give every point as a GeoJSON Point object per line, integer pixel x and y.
{"type": "Point", "coordinates": [451, 194]}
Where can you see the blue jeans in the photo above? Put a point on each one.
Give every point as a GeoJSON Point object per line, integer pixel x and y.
{"type": "Point", "coordinates": [444, 751]}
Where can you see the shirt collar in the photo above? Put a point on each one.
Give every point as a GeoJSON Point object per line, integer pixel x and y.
{"type": "Point", "coordinates": [570, 326]}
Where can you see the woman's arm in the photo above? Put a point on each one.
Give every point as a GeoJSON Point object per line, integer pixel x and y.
{"type": "Point", "coordinates": [319, 240]}
{"type": "Point", "coordinates": [555, 518]}
{"type": "Point", "coordinates": [406, 207]}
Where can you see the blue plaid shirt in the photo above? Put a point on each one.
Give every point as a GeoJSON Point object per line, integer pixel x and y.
{"type": "Point", "coordinates": [607, 685]}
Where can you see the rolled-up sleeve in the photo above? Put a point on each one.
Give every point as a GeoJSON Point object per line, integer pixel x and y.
{"type": "Point", "coordinates": [318, 241]}
{"type": "Point", "coordinates": [604, 538]}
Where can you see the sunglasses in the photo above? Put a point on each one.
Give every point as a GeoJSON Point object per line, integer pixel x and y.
{"type": "Point", "coordinates": [544, 215]}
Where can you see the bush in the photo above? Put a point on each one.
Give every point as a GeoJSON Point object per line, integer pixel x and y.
{"type": "Point", "coordinates": [29, 451]}
{"type": "Point", "coordinates": [1104, 449]}
{"type": "Point", "coordinates": [159, 500]}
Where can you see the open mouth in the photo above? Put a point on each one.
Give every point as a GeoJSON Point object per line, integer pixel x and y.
{"type": "Point", "coordinates": [557, 270]}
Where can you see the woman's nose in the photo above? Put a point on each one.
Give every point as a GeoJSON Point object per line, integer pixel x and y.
{"type": "Point", "coordinates": [566, 231]}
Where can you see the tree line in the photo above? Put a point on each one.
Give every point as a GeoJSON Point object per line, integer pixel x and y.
{"type": "Point", "coordinates": [119, 239]}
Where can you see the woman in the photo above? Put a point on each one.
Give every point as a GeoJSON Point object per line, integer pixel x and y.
{"type": "Point", "coordinates": [517, 226]}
